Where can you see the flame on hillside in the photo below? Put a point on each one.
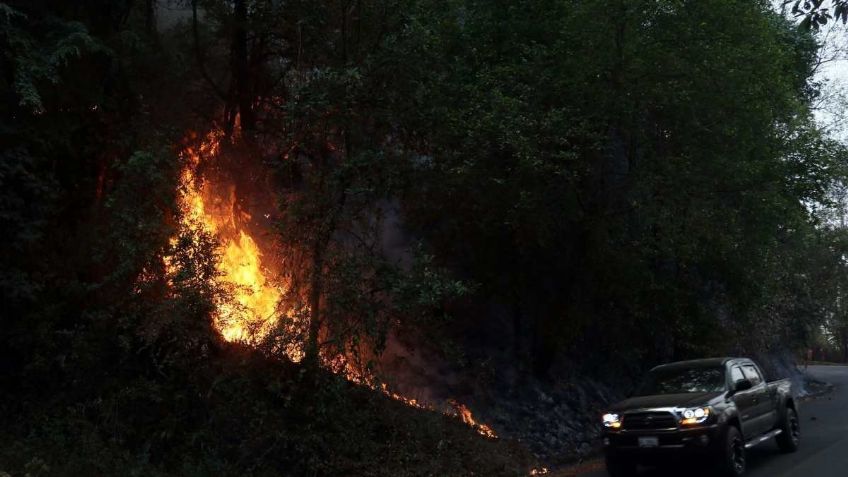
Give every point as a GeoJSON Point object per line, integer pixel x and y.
{"type": "Point", "coordinates": [209, 204]}
{"type": "Point", "coordinates": [341, 365]}
{"type": "Point", "coordinates": [213, 208]}
{"type": "Point", "coordinates": [465, 414]}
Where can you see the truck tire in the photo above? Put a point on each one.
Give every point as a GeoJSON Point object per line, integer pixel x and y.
{"type": "Point", "coordinates": [732, 461]}
{"type": "Point", "coordinates": [620, 467]}
{"type": "Point", "coordinates": [789, 439]}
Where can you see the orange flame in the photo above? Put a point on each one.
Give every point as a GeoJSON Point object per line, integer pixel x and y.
{"type": "Point", "coordinates": [459, 410]}
{"type": "Point", "coordinates": [213, 208]}
{"type": "Point", "coordinates": [465, 414]}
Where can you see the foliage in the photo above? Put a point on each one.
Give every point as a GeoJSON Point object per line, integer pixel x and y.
{"type": "Point", "coordinates": [546, 185]}
{"type": "Point", "coordinates": [637, 165]}
{"type": "Point", "coordinates": [816, 14]}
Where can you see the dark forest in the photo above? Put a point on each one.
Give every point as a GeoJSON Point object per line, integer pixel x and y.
{"type": "Point", "coordinates": [397, 237]}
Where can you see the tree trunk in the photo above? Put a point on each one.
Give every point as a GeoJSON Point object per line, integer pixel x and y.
{"type": "Point", "coordinates": [150, 17]}
{"type": "Point", "coordinates": [316, 279]}
{"type": "Point", "coordinates": [243, 97]}
{"type": "Point", "coordinates": [316, 283]}
{"type": "Point", "coordinates": [843, 338]}
{"type": "Point", "coordinates": [198, 53]}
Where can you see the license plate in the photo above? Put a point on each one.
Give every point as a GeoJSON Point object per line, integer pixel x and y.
{"type": "Point", "coordinates": [649, 442]}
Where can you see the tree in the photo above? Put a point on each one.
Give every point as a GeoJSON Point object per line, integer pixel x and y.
{"type": "Point", "coordinates": [616, 186]}
{"type": "Point", "coordinates": [815, 13]}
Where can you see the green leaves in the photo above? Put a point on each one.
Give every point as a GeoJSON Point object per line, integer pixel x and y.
{"type": "Point", "coordinates": [40, 59]}
{"type": "Point", "coordinates": [634, 165]}
{"type": "Point", "coordinates": [815, 14]}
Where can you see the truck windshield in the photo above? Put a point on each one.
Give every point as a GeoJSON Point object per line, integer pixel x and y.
{"type": "Point", "coordinates": [683, 380]}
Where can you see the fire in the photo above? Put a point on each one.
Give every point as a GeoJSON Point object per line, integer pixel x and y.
{"type": "Point", "coordinates": [459, 411]}
{"type": "Point", "coordinates": [465, 414]}
{"type": "Point", "coordinates": [341, 365]}
{"type": "Point", "coordinates": [209, 204]}
{"type": "Point", "coordinates": [213, 208]}
{"type": "Point", "coordinates": [241, 266]}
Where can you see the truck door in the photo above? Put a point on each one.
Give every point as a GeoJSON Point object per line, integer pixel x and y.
{"type": "Point", "coordinates": [744, 401]}
{"type": "Point", "coordinates": [763, 408]}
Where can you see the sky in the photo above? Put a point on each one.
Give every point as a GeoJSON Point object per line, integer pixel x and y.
{"type": "Point", "coordinates": [831, 108]}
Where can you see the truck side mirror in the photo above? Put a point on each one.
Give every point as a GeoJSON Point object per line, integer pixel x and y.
{"type": "Point", "coordinates": [742, 385]}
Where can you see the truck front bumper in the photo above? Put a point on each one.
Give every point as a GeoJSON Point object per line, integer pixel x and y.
{"type": "Point", "coordinates": [679, 442]}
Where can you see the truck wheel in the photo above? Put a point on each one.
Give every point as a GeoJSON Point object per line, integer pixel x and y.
{"type": "Point", "coordinates": [789, 439]}
{"type": "Point", "coordinates": [732, 461]}
{"type": "Point", "coordinates": [619, 467]}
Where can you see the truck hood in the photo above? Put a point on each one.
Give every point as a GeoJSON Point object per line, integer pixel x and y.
{"type": "Point", "coordinates": [666, 400]}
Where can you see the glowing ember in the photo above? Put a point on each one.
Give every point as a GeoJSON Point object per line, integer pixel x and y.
{"type": "Point", "coordinates": [465, 414]}
{"type": "Point", "coordinates": [342, 365]}
{"type": "Point", "coordinates": [540, 471]}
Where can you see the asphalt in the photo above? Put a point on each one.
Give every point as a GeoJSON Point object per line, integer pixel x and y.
{"type": "Point", "coordinates": [824, 439]}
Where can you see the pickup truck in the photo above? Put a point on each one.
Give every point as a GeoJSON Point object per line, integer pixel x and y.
{"type": "Point", "coordinates": [691, 412]}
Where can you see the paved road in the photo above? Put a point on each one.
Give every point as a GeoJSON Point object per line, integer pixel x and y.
{"type": "Point", "coordinates": [824, 438]}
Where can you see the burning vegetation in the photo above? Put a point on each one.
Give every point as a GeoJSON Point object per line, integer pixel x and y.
{"type": "Point", "coordinates": [212, 207]}
{"type": "Point", "coordinates": [253, 309]}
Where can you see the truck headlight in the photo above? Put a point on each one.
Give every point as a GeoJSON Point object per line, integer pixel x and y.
{"type": "Point", "coordinates": [695, 415]}
{"type": "Point", "coordinates": [612, 421]}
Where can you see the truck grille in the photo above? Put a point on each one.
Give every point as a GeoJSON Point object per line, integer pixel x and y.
{"type": "Point", "coordinates": [649, 420]}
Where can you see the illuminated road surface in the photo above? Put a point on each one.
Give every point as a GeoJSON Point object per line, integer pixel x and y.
{"type": "Point", "coordinates": [824, 439]}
